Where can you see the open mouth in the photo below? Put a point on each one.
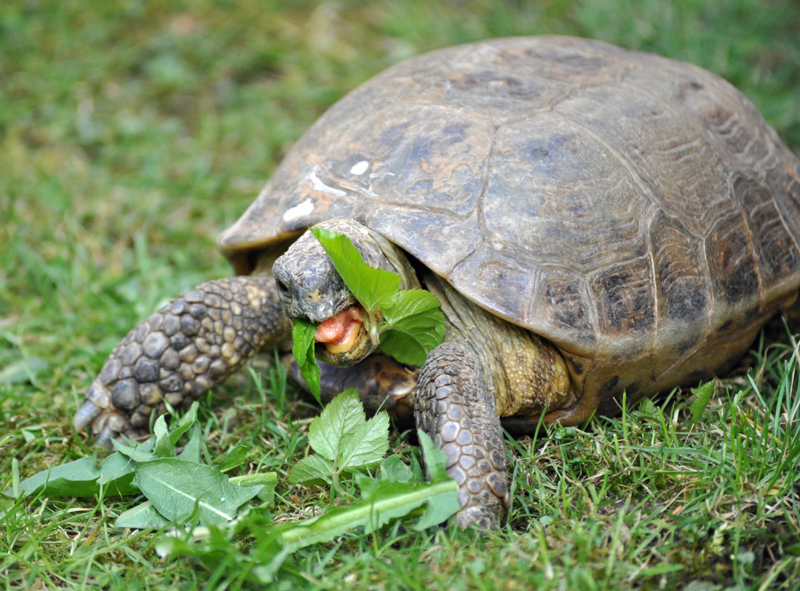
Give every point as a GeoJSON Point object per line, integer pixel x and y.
{"type": "Point", "coordinates": [340, 333]}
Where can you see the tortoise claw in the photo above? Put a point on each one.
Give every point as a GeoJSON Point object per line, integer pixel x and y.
{"type": "Point", "coordinates": [86, 415]}
{"type": "Point", "coordinates": [105, 438]}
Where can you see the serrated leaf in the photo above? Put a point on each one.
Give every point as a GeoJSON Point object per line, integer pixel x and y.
{"type": "Point", "coordinates": [143, 516]}
{"type": "Point", "coordinates": [703, 396]}
{"type": "Point", "coordinates": [411, 345]}
{"type": "Point", "coordinates": [414, 323]}
{"type": "Point", "coordinates": [404, 347]}
{"type": "Point", "coordinates": [73, 479]}
{"type": "Point", "coordinates": [176, 487]}
{"type": "Point", "coordinates": [303, 349]}
{"type": "Point", "coordinates": [366, 446]}
{"type": "Point", "coordinates": [313, 469]}
{"type": "Point", "coordinates": [343, 415]}
{"type": "Point", "coordinates": [410, 303]}
{"type": "Point", "coordinates": [372, 287]}
{"type": "Point", "coordinates": [414, 327]}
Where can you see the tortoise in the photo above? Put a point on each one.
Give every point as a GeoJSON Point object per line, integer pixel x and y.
{"type": "Point", "coordinates": [598, 224]}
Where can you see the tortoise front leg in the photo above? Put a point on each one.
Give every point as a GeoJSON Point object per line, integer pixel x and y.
{"type": "Point", "coordinates": [454, 407]}
{"type": "Point", "coordinates": [182, 351]}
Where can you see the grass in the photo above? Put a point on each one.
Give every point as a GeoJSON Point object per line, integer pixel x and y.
{"type": "Point", "coordinates": [132, 133]}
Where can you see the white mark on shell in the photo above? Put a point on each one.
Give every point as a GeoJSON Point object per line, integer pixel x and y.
{"type": "Point", "coordinates": [359, 167]}
{"type": "Point", "coordinates": [320, 186]}
{"type": "Point", "coordinates": [301, 209]}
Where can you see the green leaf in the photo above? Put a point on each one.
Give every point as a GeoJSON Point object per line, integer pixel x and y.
{"type": "Point", "coordinates": [413, 328]}
{"type": "Point", "coordinates": [344, 441]}
{"type": "Point", "coordinates": [411, 340]}
{"type": "Point", "coordinates": [191, 452]}
{"type": "Point", "coordinates": [382, 503]}
{"type": "Point", "coordinates": [342, 416]}
{"type": "Point", "coordinates": [435, 459]}
{"type": "Point", "coordinates": [167, 440]}
{"type": "Point", "coordinates": [116, 475]}
{"type": "Point", "coordinates": [703, 397]}
{"type": "Point", "coordinates": [265, 481]}
{"type": "Point", "coordinates": [409, 303]}
{"type": "Point", "coordinates": [442, 507]}
{"type": "Point", "coordinates": [163, 448]}
{"type": "Point", "coordinates": [303, 349]}
{"type": "Point", "coordinates": [393, 468]}
{"type": "Point", "coordinates": [236, 456]}
{"type": "Point", "coordinates": [414, 323]}
{"type": "Point", "coordinates": [372, 287]}
{"type": "Point", "coordinates": [73, 479]}
{"type": "Point", "coordinates": [143, 516]}
{"type": "Point", "coordinates": [365, 447]}
{"type": "Point", "coordinates": [176, 487]}
{"type": "Point", "coordinates": [138, 452]}
{"type": "Point", "coordinates": [313, 469]}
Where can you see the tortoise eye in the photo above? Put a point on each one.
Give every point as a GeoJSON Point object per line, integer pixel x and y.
{"type": "Point", "coordinates": [283, 289]}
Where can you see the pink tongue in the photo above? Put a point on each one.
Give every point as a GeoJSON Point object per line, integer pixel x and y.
{"type": "Point", "coordinates": [334, 330]}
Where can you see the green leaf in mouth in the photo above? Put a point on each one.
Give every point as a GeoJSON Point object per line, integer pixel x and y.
{"type": "Point", "coordinates": [303, 335]}
{"type": "Point", "coordinates": [409, 323]}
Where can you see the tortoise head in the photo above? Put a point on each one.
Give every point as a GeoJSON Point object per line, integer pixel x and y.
{"type": "Point", "coordinates": [311, 289]}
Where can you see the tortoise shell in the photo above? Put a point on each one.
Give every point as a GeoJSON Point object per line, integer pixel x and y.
{"type": "Point", "coordinates": [636, 211]}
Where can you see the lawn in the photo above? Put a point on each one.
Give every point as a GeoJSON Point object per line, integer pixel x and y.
{"type": "Point", "coordinates": [132, 133]}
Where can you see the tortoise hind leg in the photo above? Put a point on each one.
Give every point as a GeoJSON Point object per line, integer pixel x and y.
{"type": "Point", "coordinates": [180, 352]}
{"type": "Point", "coordinates": [381, 382]}
{"type": "Point", "coordinates": [454, 407]}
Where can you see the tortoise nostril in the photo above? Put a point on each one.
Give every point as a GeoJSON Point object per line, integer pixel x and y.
{"type": "Point", "coordinates": [315, 296]}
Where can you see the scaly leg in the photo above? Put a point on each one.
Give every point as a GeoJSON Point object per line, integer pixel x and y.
{"type": "Point", "coordinates": [182, 351]}
{"type": "Point", "coordinates": [454, 407]}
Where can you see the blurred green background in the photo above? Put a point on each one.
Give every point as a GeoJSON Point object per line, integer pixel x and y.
{"type": "Point", "coordinates": [133, 132]}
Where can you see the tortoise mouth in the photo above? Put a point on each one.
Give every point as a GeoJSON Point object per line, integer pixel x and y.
{"type": "Point", "coordinates": [344, 340]}
{"type": "Point", "coordinates": [339, 333]}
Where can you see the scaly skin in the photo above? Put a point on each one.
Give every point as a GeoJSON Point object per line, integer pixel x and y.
{"type": "Point", "coordinates": [182, 351]}
{"type": "Point", "coordinates": [454, 407]}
